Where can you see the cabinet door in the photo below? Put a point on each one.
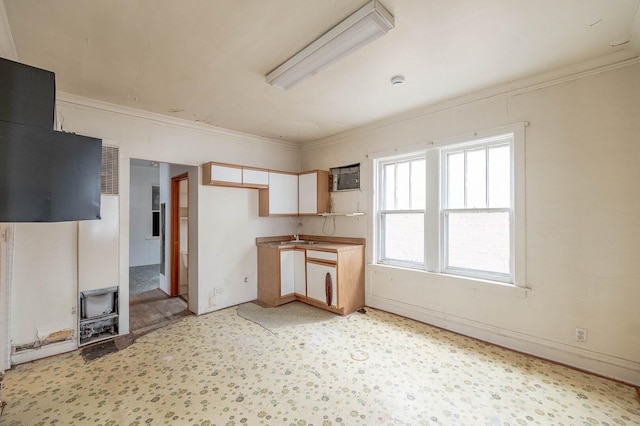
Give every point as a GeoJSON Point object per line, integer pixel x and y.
{"type": "Point", "coordinates": [316, 279]}
{"type": "Point", "coordinates": [287, 274]}
{"type": "Point", "coordinates": [255, 178]}
{"type": "Point", "coordinates": [299, 273]}
{"type": "Point", "coordinates": [283, 193]}
{"type": "Point", "coordinates": [308, 193]}
{"type": "Point", "coordinates": [228, 174]}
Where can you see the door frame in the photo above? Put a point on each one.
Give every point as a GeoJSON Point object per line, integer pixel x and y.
{"type": "Point", "coordinates": [175, 233]}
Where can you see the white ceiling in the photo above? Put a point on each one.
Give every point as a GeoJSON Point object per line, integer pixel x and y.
{"type": "Point", "coordinates": [206, 60]}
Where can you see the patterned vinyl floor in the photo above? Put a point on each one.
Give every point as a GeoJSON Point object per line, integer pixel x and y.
{"type": "Point", "coordinates": [370, 369]}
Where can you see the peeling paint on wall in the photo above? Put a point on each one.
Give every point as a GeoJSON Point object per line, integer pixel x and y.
{"type": "Point", "coordinates": [55, 337]}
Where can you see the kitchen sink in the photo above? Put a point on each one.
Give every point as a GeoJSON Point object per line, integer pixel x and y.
{"type": "Point", "coordinates": [282, 243]}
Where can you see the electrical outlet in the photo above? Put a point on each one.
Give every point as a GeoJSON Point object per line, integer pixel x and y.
{"type": "Point", "coordinates": [581, 334]}
{"type": "Point", "coordinates": [217, 291]}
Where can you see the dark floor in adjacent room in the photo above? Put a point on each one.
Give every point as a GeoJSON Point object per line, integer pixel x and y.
{"type": "Point", "coordinates": [150, 307]}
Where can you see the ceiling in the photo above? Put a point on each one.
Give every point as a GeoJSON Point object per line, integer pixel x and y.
{"type": "Point", "coordinates": [206, 60]}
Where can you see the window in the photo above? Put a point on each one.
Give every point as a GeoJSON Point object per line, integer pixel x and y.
{"type": "Point", "coordinates": [155, 211]}
{"type": "Point", "coordinates": [476, 212]}
{"type": "Point", "coordinates": [455, 208]}
{"type": "Point", "coordinates": [401, 211]}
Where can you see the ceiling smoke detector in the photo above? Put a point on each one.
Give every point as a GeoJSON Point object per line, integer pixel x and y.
{"type": "Point", "coordinates": [397, 80]}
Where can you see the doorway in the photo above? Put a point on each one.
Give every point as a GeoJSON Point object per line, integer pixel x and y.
{"type": "Point", "coordinates": [150, 303]}
{"type": "Point", "coordinates": [180, 236]}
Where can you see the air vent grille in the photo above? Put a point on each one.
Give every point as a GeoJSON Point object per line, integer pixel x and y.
{"type": "Point", "coordinates": [109, 184]}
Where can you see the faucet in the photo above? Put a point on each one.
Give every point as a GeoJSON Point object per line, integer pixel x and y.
{"type": "Point", "coordinates": [296, 237]}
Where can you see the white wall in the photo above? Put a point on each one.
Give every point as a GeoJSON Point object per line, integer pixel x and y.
{"type": "Point", "coordinates": [152, 137]}
{"type": "Point", "coordinates": [44, 292]}
{"type": "Point", "coordinates": [44, 283]}
{"type": "Point", "coordinates": [143, 248]}
{"type": "Point", "coordinates": [582, 215]}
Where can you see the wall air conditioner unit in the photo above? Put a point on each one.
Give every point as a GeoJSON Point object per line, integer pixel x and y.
{"type": "Point", "coordinates": [345, 178]}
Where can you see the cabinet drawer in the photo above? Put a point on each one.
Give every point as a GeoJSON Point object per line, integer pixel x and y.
{"type": "Point", "coordinates": [322, 255]}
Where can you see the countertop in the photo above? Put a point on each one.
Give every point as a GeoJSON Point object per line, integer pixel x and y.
{"type": "Point", "coordinates": [312, 242]}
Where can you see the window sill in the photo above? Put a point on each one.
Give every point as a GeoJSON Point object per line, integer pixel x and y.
{"type": "Point", "coordinates": [492, 286]}
{"type": "Point", "coordinates": [459, 280]}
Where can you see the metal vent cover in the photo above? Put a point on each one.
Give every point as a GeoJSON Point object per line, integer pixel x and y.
{"type": "Point", "coordinates": [109, 173]}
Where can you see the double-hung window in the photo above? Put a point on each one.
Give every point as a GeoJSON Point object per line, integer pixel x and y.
{"type": "Point", "coordinates": [477, 209]}
{"type": "Point", "coordinates": [456, 207]}
{"type": "Point", "coordinates": [401, 206]}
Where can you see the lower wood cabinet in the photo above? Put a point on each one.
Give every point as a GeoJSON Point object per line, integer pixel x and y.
{"type": "Point", "coordinates": [292, 272]}
{"type": "Point", "coordinates": [281, 274]}
{"type": "Point", "coordinates": [329, 276]}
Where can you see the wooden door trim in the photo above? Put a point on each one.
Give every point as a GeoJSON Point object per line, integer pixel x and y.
{"type": "Point", "coordinates": [175, 232]}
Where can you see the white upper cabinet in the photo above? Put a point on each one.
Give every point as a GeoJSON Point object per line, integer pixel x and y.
{"type": "Point", "coordinates": [308, 193]}
{"type": "Point", "coordinates": [283, 194]}
{"type": "Point", "coordinates": [313, 192]}
{"type": "Point", "coordinates": [226, 173]}
{"type": "Point", "coordinates": [255, 178]}
{"type": "Point", "coordinates": [221, 174]}
{"type": "Point", "coordinates": [294, 194]}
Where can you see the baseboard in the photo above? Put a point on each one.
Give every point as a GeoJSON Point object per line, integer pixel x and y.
{"type": "Point", "coordinates": [601, 364]}
{"type": "Point", "coordinates": [43, 352]}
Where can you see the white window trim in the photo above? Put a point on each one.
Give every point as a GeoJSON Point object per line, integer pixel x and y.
{"type": "Point", "coordinates": [432, 228]}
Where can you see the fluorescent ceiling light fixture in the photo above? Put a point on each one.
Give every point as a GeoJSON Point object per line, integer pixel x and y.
{"type": "Point", "coordinates": [363, 26]}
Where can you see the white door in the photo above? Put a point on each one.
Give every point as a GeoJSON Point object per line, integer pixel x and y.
{"type": "Point", "coordinates": [308, 193]}
{"type": "Point", "coordinates": [283, 193]}
{"type": "Point", "coordinates": [287, 274]}
{"type": "Point", "coordinates": [316, 279]}
{"type": "Point", "coordinates": [299, 273]}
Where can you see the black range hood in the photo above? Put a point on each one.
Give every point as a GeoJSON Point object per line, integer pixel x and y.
{"type": "Point", "coordinates": [45, 175]}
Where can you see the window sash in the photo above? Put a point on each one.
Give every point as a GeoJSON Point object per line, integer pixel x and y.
{"type": "Point", "coordinates": [399, 249]}
{"type": "Point", "coordinates": [497, 273]}
{"type": "Point", "coordinates": [398, 197]}
{"type": "Point", "coordinates": [465, 149]}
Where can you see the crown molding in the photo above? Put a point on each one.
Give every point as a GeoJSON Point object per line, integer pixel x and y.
{"type": "Point", "coordinates": [635, 33]}
{"type": "Point", "coordinates": [7, 47]}
{"type": "Point", "coordinates": [69, 100]}
{"type": "Point", "coordinates": [599, 65]}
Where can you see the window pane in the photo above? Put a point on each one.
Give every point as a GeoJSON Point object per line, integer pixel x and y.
{"type": "Point", "coordinates": [389, 183]}
{"type": "Point", "coordinates": [155, 224]}
{"type": "Point", "coordinates": [476, 179]}
{"type": "Point", "coordinates": [418, 184]}
{"type": "Point", "coordinates": [500, 176]}
{"type": "Point", "coordinates": [403, 236]}
{"type": "Point", "coordinates": [478, 241]}
{"type": "Point", "coordinates": [402, 187]}
{"type": "Point", "coordinates": [455, 180]}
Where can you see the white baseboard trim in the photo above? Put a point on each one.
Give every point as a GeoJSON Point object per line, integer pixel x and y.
{"type": "Point", "coordinates": [601, 364]}
{"type": "Point", "coordinates": [43, 352]}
